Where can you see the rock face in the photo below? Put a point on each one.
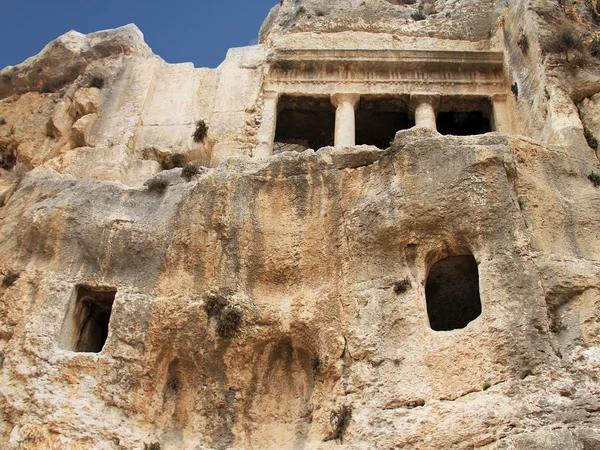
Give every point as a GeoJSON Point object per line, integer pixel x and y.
{"type": "Point", "coordinates": [164, 287]}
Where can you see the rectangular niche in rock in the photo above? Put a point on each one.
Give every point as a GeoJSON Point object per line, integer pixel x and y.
{"type": "Point", "coordinates": [465, 116]}
{"type": "Point", "coordinates": [452, 293]}
{"type": "Point", "coordinates": [304, 122]}
{"type": "Point", "coordinates": [86, 325]}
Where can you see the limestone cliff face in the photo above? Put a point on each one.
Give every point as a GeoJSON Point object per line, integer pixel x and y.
{"type": "Point", "coordinates": [425, 18]}
{"type": "Point", "coordinates": [230, 301]}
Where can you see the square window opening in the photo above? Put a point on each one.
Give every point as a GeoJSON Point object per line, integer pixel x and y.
{"type": "Point", "coordinates": [86, 327]}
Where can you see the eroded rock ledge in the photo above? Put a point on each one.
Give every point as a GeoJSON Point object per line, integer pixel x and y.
{"type": "Point", "coordinates": [162, 284]}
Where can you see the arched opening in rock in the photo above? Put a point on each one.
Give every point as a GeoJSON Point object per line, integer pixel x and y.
{"type": "Point", "coordinates": [378, 118]}
{"type": "Point", "coordinates": [304, 122]}
{"type": "Point", "coordinates": [465, 117]}
{"type": "Point", "coordinates": [282, 388]}
{"type": "Point", "coordinates": [88, 328]}
{"type": "Point", "coordinates": [452, 293]}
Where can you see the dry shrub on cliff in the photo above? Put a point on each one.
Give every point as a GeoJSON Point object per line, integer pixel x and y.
{"type": "Point", "coordinates": [2, 121]}
{"type": "Point", "coordinates": [10, 278]}
{"type": "Point", "coordinates": [401, 286]}
{"type": "Point", "coordinates": [201, 131]}
{"type": "Point", "coordinates": [595, 45]}
{"type": "Point", "coordinates": [178, 160]}
{"type": "Point", "coordinates": [316, 363]}
{"type": "Point", "coordinates": [189, 171]}
{"type": "Point", "coordinates": [153, 446]}
{"type": "Point", "coordinates": [563, 42]}
{"type": "Point", "coordinates": [96, 82]}
{"type": "Point", "coordinates": [594, 178]}
{"type": "Point", "coordinates": [523, 43]}
{"type": "Point", "coordinates": [229, 317]}
{"type": "Point", "coordinates": [591, 140]}
{"type": "Point", "coordinates": [8, 158]}
{"type": "Point", "coordinates": [229, 321]}
{"type": "Point", "coordinates": [156, 185]}
{"type": "Point", "coordinates": [339, 420]}
{"type": "Point", "coordinates": [214, 304]}
{"type": "Point", "coordinates": [417, 16]}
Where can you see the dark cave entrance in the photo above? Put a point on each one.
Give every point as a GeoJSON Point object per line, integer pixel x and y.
{"type": "Point", "coordinates": [304, 122]}
{"type": "Point", "coordinates": [465, 117]}
{"type": "Point", "coordinates": [93, 308]}
{"type": "Point", "coordinates": [452, 293]}
{"type": "Point", "coordinates": [378, 118]}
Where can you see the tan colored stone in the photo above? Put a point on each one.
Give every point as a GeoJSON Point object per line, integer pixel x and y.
{"type": "Point", "coordinates": [323, 255]}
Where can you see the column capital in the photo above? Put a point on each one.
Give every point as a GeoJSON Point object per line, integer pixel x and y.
{"type": "Point", "coordinates": [270, 95]}
{"type": "Point", "coordinates": [338, 99]}
{"type": "Point", "coordinates": [417, 98]}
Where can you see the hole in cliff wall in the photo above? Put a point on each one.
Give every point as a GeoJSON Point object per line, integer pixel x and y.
{"type": "Point", "coordinates": [465, 117]}
{"type": "Point", "coordinates": [379, 118]}
{"type": "Point", "coordinates": [304, 122]}
{"type": "Point", "coordinates": [452, 292]}
{"type": "Point", "coordinates": [88, 328]}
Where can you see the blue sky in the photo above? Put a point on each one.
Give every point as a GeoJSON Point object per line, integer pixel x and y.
{"type": "Point", "coordinates": [197, 31]}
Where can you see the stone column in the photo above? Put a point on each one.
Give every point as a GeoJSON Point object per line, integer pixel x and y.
{"type": "Point", "coordinates": [266, 131]}
{"type": "Point", "coordinates": [345, 128]}
{"type": "Point", "coordinates": [424, 106]}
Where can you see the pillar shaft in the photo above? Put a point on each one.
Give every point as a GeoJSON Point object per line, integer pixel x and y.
{"type": "Point", "coordinates": [345, 127]}
{"type": "Point", "coordinates": [424, 108]}
{"type": "Point", "coordinates": [266, 131]}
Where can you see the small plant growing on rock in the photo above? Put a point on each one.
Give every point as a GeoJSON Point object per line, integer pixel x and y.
{"type": "Point", "coordinates": [417, 16]}
{"type": "Point", "coordinates": [201, 131]}
{"type": "Point", "coordinates": [214, 304]}
{"type": "Point", "coordinates": [157, 185]}
{"type": "Point", "coordinates": [486, 386]}
{"type": "Point", "coordinates": [595, 45]}
{"type": "Point", "coordinates": [515, 89]}
{"type": "Point", "coordinates": [178, 160]}
{"type": "Point", "coordinates": [401, 286]}
{"type": "Point", "coordinates": [2, 121]}
{"type": "Point", "coordinates": [229, 317]}
{"type": "Point", "coordinates": [339, 420]}
{"type": "Point", "coordinates": [523, 43]}
{"type": "Point", "coordinates": [591, 140]}
{"type": "Point", "coordinates": [229, 321]}
{"type": "Point", "coordinates": [594, 178]}
{"type": "Point", "coordinates": [8, 158]}
{"type": "Point", "coordinates": [316, 363]}
{"type": "Point", "coordinates": [152, 446]}
{"type": "Point", "coordinates": [564, 42]}
{"type": "Point", "coordinates": [189, 170]}
{"type": "Point", "coordinates": [10, 278]}
{"type": "Point", "coordinates": [96, 82]}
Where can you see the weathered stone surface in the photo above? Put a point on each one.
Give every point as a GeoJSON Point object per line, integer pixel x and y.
{"type": "Point", "coordinates": [443, 19]}
{"type": "Point", "coordinates": [280, 302]}
{"type": "Point", "coordinates": [66, 58]}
